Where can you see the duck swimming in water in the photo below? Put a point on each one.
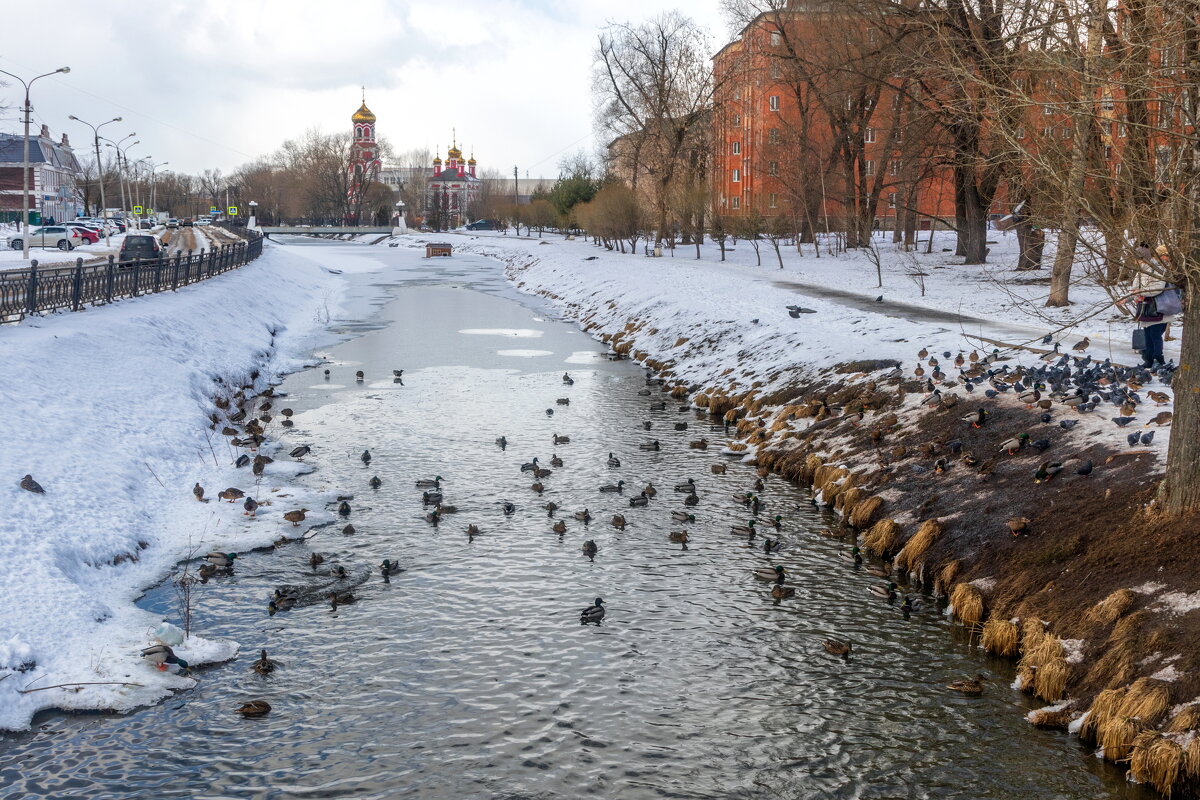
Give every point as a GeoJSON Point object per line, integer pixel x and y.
{"type": "Point", "coordinates": [593, 613]}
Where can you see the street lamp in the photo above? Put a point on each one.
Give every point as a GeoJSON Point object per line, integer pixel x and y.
{"type": "Point", "coordinates": [123, 167]}
{"type": "Point", "coordinates": [99, 168]}
{"type": "Point", "coordinates": [25, 157]}
{"type": "Point", "coordinates": [154, 181]}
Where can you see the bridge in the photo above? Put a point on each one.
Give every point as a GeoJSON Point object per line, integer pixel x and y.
{"type": "Point", "coordinates": [321, 230]}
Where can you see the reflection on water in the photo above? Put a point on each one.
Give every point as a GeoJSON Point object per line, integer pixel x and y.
{"type": "Point", "coordinates": [469, 675]}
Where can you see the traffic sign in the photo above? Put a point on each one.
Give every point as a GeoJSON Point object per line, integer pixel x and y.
{"type": "Point", "coordinates": [232, 211]}
{"type": "Point", "coordinates": [212, 209]}
{"type": "Point", "coordinates": [137, 209]}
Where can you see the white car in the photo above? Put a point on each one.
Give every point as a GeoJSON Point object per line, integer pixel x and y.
{"type": "Point", "coordinates": [58, 236]}
{"type": "Point", "coordinates": [202, 222]}
{"type": "Point", "coordinates": [172, 223]}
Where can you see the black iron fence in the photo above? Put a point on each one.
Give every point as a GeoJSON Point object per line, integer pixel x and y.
{"type": "Point", "coordinates": [27, 291]}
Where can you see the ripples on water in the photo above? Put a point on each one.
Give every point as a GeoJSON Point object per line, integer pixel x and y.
{"type": "Point", "coordinates": [469, 675]}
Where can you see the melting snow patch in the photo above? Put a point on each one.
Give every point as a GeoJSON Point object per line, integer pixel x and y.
{"type": "Point", "coordinates": [984, 584]}
{"type": "Point", "coordinates": [1168, 674]}
{"type": "Point", "coordinates": [1073, 649]}
{"type": "Point", "coordinates": [1149, 587]}
{"type": "Point", "coordinates": [1178, 602]}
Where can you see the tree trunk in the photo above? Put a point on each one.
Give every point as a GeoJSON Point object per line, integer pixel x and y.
{"type": "Point", "coordinates": [960, 213]}
{"type": "Point", "coordinates": [1183, 453]}
{"type": "Point", "coordinates": [1114, 256]}
{"type": "Point", "coordinates": [973, 235]}
{"type": "Point", "coordinates": [1031, 240]}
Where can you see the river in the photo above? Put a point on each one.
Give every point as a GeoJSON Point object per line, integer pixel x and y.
{"type": "Point", "coordinates": [469, 673]}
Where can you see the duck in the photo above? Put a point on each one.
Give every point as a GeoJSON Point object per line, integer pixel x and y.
{"type": "Point", "coordinates": [426, 483]}
{"type": "Point", "coordinates": [559, 527]}
{"type": "Point", "coordinates": [584, 516]}
{"type": "Point", "coordinates": [837, 647]}
{"type": "Point", "coordinates": [888, 591]}
{"type": "Point", "coordinates": [549, 412]}
{"type": "Point", "coordinates": [375, 482]}
{"type": "Point", "coordinates": [1017, 525]}
{"type": "Point", "coordinates": [542, 473]}
{"type": "Point", "coordinates": [688, 486]}
{"type": "Point", "coordinates": [264, 665]}
{"type": "Point", "coordinates": [510, 509]}
{"type": "Point", "coordinates": [613, 461]}
{"type": "Point", "coordinates": [1082, 345]}
{"type": "Point", "coordinates": [745, 531]}
{"type": "Point", "coordinates": [654, 445]}
{"type": "Point", "coordinates": [445, 509]}
{"type": "Point", "coordinates": [759, 485]}
{"type": "Point", "coordinates": [618, 521]}
{"type": "Point", "coordinates": [775, 573]}
{"type": "Point", "coordinates": [562, 439]}
{"type": "Point", "coordinates": [1046, 471]}
{"type": "Point", "coordinates": [344, 508]}
{"type": "Point", "coordinates": [718, 469]}
{"type": "Point", "coordinates": [563, 401]}
{"type": "Point", "coordinates": [349, 530]}
{"type": "Point", "coordinates": [221, 560]}
{"type": "Point", "coordinates": [162, 656]}
{"type": "Point", "coordinates": [972, 687]}
{"type": "Point", "coordinates": [977, 418]}
{"type": "Point", "coordinates": [691, 500]}
{"type": "Point", "coordinates": [432, 498]}
{"type": "Point", "coordinates": [650, 491]}
{"type": "Point", "coordinates": [255, 708]}
{"type": "Point", "coordinates": [555, 461]}
{"type": "Point", "coordinates": [251, 506]}
{"type": "Point", "coordinates": [646, 425]}
{"type": "Point", "coordinates": [567, 379]}
{"type": "Point", "coordinates": [681, 426]}
{"type": "Point", "coordinates": [781, 592]}
{"type": "Point", "coordinates": [231, 494]}
{"type": "Point", "coordinates": [433, 517]}
{"type": "Point", "coordinates": [365, 457]}
{"type": "Point", "coordinates": [679, 537]}
{"type": "Point", "coordinates": [777, 522]}
{"type": "Point", "coordinates": [205, 572]}
{"type": "Point", "coordinates": [315, 560]}
{"type": "Point", "coordinates": [683, 516]}
{"type": "Point", "coordinates": [772, 545]}
{"type": "Point", "coordinates": [338, 571]}
{"type": "Point", "coordinates": [594, 612]}
{"type": "Point", "coordinates": [590, 549]}
{"type": "Point", "coordinates": [197, 491]}
{"type": "Point", "coordinates": [472, 531]}
{"type": "Point", "coordinates": [389, 567]}
{"type": "Point", "coordinates": [1015, 444]}
{"type": "Point", "coordinates": [538, 487]}
{"type": "Point", "coordinates": [530, 466]}
{"type": "Point", "coordinates": [277, 604]}
{"type": "Point", "coordinates": [295, 517]}
{"type": "Point", "coordinates": [300, 452]}
{"type": "Point", "coordinates": [618, 487]}
{"type": "Point", "coordinates": [854, 556]}
{"type": "Point", "coordinates": [341, 599]}
{"type": "Point", "coordinates": [639, 501]}
{"type": "Point", "coordinates": [502, 442]}
{"type": "Point", "coordinates": [359, 376]}
{"type": "Point", "coordinates": [879, 572]}
{"type": "Point", "coordinates": [550, 507]}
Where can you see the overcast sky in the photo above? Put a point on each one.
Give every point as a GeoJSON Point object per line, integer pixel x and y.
{"type": "Point", "coordinates": [219, 83]}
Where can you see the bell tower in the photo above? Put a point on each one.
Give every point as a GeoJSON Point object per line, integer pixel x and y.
{"type": "Point", "coordinates": [364, 156]}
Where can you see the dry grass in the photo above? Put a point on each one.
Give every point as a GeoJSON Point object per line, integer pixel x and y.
{"type": "Point", "coordinates": [1158, 761]}
{"type": "Point", "coordinates": [912, 554]}
{"type": "Point", "coordinates": [968, 604]}
{"type": "Point", "coordinates": [1191, 759]}
{"type": "Point", "coordinates": [1116, 737]}
{"type": "Point", "coordinates": [1050, 718]}
{"type": "Point", "coordinates": [1112, 607]}
{"type": "Point", "coordinates": [1187, 719]}
{"type": "Point", "coordinates": [1103, 709]}
{"type": "Point", "coordinates": [848, 499]}
{"type": "Point", "coordinates": [946, 576]}
{"type": "Point", "coordinates": [1050, 680]}
{"type": "Point", "coordinates": [864, 512]}
{"type": "Point", "coordinates": [1025, 678]}
{"type": "Point", "coordinates": [883, 537]}
{"type": "Point", "coordinates": [1001, 638]}
{"type": "Point", "coordinates": [1033, 630]}
{"type": "Point", "coordinates": [808, 472]}
{"type": "Point", "coordinates": [1147, 700]}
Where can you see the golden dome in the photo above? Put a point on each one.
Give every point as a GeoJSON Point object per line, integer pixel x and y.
{"type": "Point", "coordinates": [363, 114]}
{"type": "Point", "coordinates": [437, 159]}
{"type": "Point", "coordinates": [471, 160]}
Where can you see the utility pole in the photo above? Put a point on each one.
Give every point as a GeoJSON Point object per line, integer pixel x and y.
{"type": "Point", "coordinates": [25, 160]}
{"type": "Point", "coordinates": [516, 186]}
{"type": "Point", "coordinates": [99, 171]}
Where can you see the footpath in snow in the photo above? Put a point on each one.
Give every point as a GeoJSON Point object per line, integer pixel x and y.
{"type": "Point", "coordinates": [108, 410]}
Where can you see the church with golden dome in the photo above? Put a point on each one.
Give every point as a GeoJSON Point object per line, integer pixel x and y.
{"type": "Point", "coordinates": [364, 157]}
{"type": "Point", "coordinates": [453, 188]}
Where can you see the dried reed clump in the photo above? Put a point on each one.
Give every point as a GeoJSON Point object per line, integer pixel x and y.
{"type": "Point", "coordinates": [968, 604]}
{"type": "Point", "coordinates": [1104, 709]}
{"type": "Point", "coordinates": [1033, 630]}
{"type": "Point", "coordinates": [737, 447]}
{"type": "Point", "coordinates": [944, 579]}
{"type": "Point", "coordinates": [848, 498]}
{"type": "Point", "coordinates": [700, 401]}
{"type": "Point", "coordinates": [1001, 637]}
{"type": "Point", "coordinates": [1025, 677]}
{"type": "Point", "coordinates": [808, 472]}
{"type": "Point", "coordinates": [623, 348]}
{"type": "Point", "coordinates": [1191, 759]}
{"type": "Point", "coordinates": [1055, 719]}
{"type": "Point", "coordinates": [1112, 607]}
{"type": "Point", "coordinates": [1147, 700]}
{"type": "Point", "coordinates": [883, 537]}
{"type": "Point", "coordinates": [912, 554]}
{"type": "Point", "coordinates": [679, 392]}
{"type": "Point", "coordinates": [864, 512]}
{"type": "Point", "coordinates": [1187, 719]}
{"type": "Point", "coordinates": [1116, 737]}
{"type": "Point", "coordinates": [1050, 680]}
{"type": "Point", "coordinates": [731, 415]}
{"type": "Point", "coordinates": [1158, 761]}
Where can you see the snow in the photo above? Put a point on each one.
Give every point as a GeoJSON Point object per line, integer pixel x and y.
{"type": "Point", "coordinates": [984, 585]}
{"type": "Point", "coordinates": [1075, 725]}
{"type": "Point", "coordinates": [1150, 587]}
{"type": "Point", "coordinates": [105, 404]}
{"type": "Point", "coordinates": [1178, 602]}
{"type": "Point", "coordinates": [1073, 650]}
{"type": "Point", "coordinates": [1168, 673]}
{"type": "Point", "coordinates": [1049, 709]}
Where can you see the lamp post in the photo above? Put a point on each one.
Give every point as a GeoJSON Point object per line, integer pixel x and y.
{"type": "Point", "coordinates": [154, 181]}
{"type": "Point", "coordinates": [25, 158]}
{"type": "Point", "coordinates": [99, 169]}
{"type": "Point", "coordinates": [122, 166]}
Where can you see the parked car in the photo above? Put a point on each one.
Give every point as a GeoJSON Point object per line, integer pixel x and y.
{"type": "Point", "coordinates": [187, 223]}
{"type": "Point", "coordinates": [90, 235]}
{"type": "Point", "coordinates": [49, 236]}
{"type": "Point", "coordinates": [140, 245]}
{"type": "Point", "coordinates": [482, 225]}
{"type": "Point", "coordinates": [146, 225]}
{"type": "Point", "coordinates": [172, 223]}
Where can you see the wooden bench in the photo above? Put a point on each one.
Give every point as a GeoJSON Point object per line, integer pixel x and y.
{"type": "Point", "coordinates": [438, 249]}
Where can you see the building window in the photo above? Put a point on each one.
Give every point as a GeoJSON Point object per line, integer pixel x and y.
{"type": "Point", "coordinates": [1020, 131]}
{"type": "Point", "coordinates": [735, 202]}
{"type": "Point", "coordinates": [1121, 131]}
{"type": "Point", "coordinates": [1047, 132]}
{"type": "Point", "coordinates": [776, 72]}
{"type": "Point", "coordinates": [773, 168]}
{"type": "Point", "coordinates": [871, 35]}
{"type": "Point", "coordinates": [894, 167]}
{"type": "Point", "coordinates": [1020, 84]}
{"type": "Point", "coordinates": [1066, 132]}
{"type": "Point", "coordinates": [870, 167]}
{"type": "Point", "coordinates": [1118, 170]}
{"type": "Point", "coordinates": [773, 102]}
{"type": "Point", "coordinates": [737, 120]}
{"type": "Point", "coordinates": [1106, 102]}
{"type": "Point", "coordinates": [776, 39]}
{"type": "Point", "coordinates": [891, 199]}
{"type": "Point", "coordinates": [1108, 152]}
{"type": "Point", "coordinates": [773, 136]}
{"type": "Point", "coordinates": [771, 199]}
{"type": "Point", "coordinates": [869, 136]}
{"type": "Point", "coordinates": [737, 176]}
{"type": "Point", "coordinates": [1048, 109]}
{"type": "Point", "coordinates": [737, 148]}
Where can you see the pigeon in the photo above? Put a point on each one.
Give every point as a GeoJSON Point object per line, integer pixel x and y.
{"type": "Point", "coordinates": [1133, 439]}
{"type": "Point", "coordinates": [1046, 417]}
{"type": "Point", "coordinates": [30, 485]}
{"type": "Point", "coordinates": [1085, 468]}
{"type": "Point", "coordinates": [879, 299]}
{"type": "Point", "coordinates": [1046, 339]}
{"type": "Point", "coordinates": [1147, 437]}
{"type": "Point", "coordinates": [1121, 422]}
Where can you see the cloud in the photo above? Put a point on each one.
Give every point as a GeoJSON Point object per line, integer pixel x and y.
{"type": "Point", "coordinates": [219, 83]}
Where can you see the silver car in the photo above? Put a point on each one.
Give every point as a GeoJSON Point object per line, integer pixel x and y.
{"type": "Point", "coordinates": [58, 236]}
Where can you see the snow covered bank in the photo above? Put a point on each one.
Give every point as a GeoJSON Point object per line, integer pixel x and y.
{"type": "Point", "coordinates": [108, 410]}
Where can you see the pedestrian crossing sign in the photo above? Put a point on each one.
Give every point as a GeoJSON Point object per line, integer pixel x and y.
{"type": "Point", "coordinates": [137, 209]}
{"type": "Point", "coordinates": [232, 211]}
